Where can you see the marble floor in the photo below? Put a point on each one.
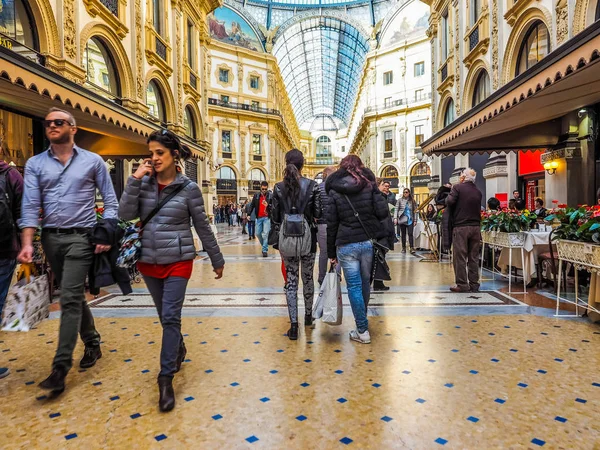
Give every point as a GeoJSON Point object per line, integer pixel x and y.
{"type": "Point", "coordinates": [443, 370]}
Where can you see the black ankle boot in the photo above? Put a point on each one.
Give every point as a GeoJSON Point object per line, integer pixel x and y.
{"type": "Point", "coordinates": [56, 381]}
{"type": "Point", "coordinates": [293, 332]}
{"type": "Point", "coordinates": [166, 401]}
{"type": "Point", "coordinates": [308, 320]}
{"type": "Point", "coordinates": [181, 356]}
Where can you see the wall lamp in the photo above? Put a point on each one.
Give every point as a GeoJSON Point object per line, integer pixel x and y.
{"type": "Point", "coordinates": [551, 167]}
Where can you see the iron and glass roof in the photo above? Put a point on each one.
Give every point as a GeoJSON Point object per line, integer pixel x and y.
{"type": "Point", "coordinates": [321, 60]}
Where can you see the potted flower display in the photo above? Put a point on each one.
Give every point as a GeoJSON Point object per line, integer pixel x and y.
{"type": "Point", "coordinates": [577, 233]}
{"type": "Point", "coordinates": [506, 227]}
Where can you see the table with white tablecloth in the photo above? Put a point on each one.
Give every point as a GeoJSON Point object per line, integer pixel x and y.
{"type": "Point", "coordinates": [535, 244]}
{"type": "Point", "coordinates": [420, 235]}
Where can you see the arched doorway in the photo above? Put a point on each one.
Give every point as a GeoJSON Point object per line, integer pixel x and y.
{"type": "Point", "coordinates": [420, 176]}
{"type": "Point", "coordinates": [226, 185]}
{"type": "Point", "coordinates": [256, 177]}
{"type": "Point", "coordinates": [390, 174]}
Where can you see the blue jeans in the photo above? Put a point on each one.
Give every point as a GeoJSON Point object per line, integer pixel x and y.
{"type": "Point", "coordinates": [251, 227]}
{"type": "Point", "coordinates": [168, 295]}
{"type": "Point", "coordinates": [356, 260]}
{"type": "Point", "coordinates": [263, 226]}
{"type": "Point", "coordinates": [7, 267]}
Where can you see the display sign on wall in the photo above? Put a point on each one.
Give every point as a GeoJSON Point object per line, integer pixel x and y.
{"type": "Point", "coordinates": [503, 197]}
{"type": "Point", "coordinates": [530, 162]}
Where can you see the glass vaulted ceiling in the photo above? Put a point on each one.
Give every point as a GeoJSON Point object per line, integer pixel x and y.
{"type": "Point", "coordinates": [321, 61]}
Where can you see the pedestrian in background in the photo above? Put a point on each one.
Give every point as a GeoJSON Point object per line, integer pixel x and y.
{"type": "Point", "coordinates": [464, 202]}
{"type": "Point", "coordinates": [322, 226]}
{"type": "Point", "coordinates": [406, 217]}
{"type": "Point", "coordinates": [11, 195]}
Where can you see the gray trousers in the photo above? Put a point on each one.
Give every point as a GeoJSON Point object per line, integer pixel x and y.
{"type": "Point", "coordinates": [168, 295]}
{"type": "Point", "coordinates": [466, 246]}
{"type": "Point", "coordinates": [292, 267]}
{"type": "Point", "coordinates": [70, 257]}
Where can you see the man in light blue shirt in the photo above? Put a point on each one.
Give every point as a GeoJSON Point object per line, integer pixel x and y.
{"type": "Point", "coordinates": [62, 183]}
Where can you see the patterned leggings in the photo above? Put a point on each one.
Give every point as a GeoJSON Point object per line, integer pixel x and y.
{"type": "Point", "coordinates": [292, 266]}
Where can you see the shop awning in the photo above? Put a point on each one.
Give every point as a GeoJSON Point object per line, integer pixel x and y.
{"type": "Point", "coordinates": [525, 113]}
{"type": "Point", "coordinates": [27, 87]}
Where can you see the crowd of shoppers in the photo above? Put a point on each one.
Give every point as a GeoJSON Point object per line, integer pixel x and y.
{"type": "Point", "coordinates": [344, 216]}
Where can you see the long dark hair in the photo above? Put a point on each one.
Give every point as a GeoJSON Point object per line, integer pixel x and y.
{"type": "Point", "coordinates": [355, 167]}
{"type": "Point", "coordinates": [294, 162]}
{"type": "Point", "coordinates": [170, 140]}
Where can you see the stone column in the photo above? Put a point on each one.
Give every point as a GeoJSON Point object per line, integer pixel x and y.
{"type": "Point", "coordinates": [496, 175]}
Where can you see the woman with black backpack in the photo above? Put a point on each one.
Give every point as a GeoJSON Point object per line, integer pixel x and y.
{"type": "Point", "coordinates": [354, 214]}
{"type": "Point", "coordinates": [295, 208]}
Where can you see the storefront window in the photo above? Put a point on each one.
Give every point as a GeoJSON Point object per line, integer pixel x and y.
{"type": "Point", "coordinates": [17, 139]}
{"type": "Point", "coordinates": [17, 24]}
{"type": "Point", "coordinates": [535, 46]}
{"type": "Point", "coordinates": [100, 68]}
{"type": "Point", "coordinates": [482, 88]}
{"type": "Point", "coordinates": [449, 113]}
{"type": "Point", "coordinates": [154, 101]}
{"type": "Point", "coordinates": [188, 123]}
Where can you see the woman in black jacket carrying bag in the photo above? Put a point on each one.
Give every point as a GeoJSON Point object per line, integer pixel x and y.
{"type": "Point", "coordinates": [349, 240]}
{"type": "Point", "coordinates": [297, 196]}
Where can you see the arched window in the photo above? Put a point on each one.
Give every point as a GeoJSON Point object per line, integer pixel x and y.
{"type": "Point", "coordinates": [449, 113]}
{"type": "Point", "coordinates": [323, 147]}
{"type": "Point", "coordinates": [226, 173]}
{"type": "Point", "coordinates": [155, 102]}
{"type": "Point", "coordinates": [389, 172]}
{"type": "Point", "coordinates": [482, 88]}
{"type": "Point", "coordinates": [188, 123]}
{"type": "Point", "coordinates": [420, 169]}
{"type": "Point", "coordinates": [257, 175]}
{"type": "Point", "coordinates": [100, 67]}
{"type": "Point", "coordinates": [535, 46]}
{"type": "Point", "coordinates": [16, 22]}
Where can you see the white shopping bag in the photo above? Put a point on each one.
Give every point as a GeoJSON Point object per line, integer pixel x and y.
{"type": "Point", "coordinates": [27, 303]}
{"type": "Point", "coordinates": [331, 293]}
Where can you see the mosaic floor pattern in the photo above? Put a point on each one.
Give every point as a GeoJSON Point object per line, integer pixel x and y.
{"type": "Point", "coordinates": [477, 382]}
{"type": "Point", "coordinates": [259, 300]}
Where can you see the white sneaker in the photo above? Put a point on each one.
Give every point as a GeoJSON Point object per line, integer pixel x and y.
{"type": "Point", "coordinates": [363, 338]}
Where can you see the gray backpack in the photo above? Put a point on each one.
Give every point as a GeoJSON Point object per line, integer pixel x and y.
{"type": "Point", "coordinates": [295, 237]}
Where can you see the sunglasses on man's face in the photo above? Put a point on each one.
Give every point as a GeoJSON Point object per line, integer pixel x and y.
{"type": "Point", "coordinates": [57, 123]}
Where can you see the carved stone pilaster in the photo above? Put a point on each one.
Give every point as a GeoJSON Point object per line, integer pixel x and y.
{"type": "Point", "coordinates": [457, 61]}
{"type": "Point", "coordinates": [70, 29]}
{"type": "Point", "coordinates": [495, 70]}
{"type": "Point", "coordinates": [139, 58]}
{"type": "Point", "coordinates": [243, 135]}
{"type": "Point", "coordinates": [240, 78]}
{"type": "Point", "coordinates": [433, 84]}
{"type": "Point", "coordinates": [562, 21]}
{"type": "Point", "coordinates": [178, 65]}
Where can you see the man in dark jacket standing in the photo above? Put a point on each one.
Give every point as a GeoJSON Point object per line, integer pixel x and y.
{"type": "Point", "coordinates": [389, 196]}
{"type": "Point", "coordinates": [465, 203]}
{"type": "Point", "coordinates": [11, 192]}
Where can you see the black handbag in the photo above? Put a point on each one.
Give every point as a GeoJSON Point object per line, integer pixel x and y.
{"type": "Point", "coordinates": [380, 269]}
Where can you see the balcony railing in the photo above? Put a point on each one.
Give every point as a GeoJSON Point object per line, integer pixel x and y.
{"type": "Point", "coordinates": [161, 48]}
{"type": "Point", "coordinates": [322, 161]}
{"type": "Point", "coordinates": [242, 106]}
{"type": "Point", "coordinates": [396, 103]}
{"type": "Point", "coordinates": [112, 6]}
{"type": "Point", "coordinates": [17, 47]}
{"type": "Point", "coordinates": [474, 38]}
